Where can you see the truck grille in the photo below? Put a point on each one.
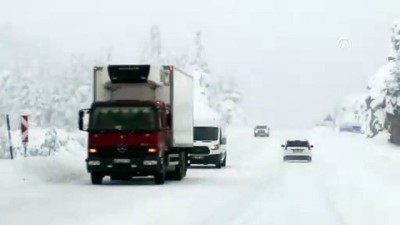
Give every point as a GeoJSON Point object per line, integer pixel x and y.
{"type": "Point", "coordinates": [200, 150]}
{"type": "Point", "coordinates": [130, 152]}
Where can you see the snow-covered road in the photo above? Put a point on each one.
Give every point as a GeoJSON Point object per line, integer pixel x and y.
{"type": "Point", "coordinates": [351, 181]}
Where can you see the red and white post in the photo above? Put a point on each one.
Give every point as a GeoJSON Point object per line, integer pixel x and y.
{"type": "Point", "coordinates": [24, 132]}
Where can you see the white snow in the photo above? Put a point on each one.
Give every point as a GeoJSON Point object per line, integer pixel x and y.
{"type": "Point", "coordinates": [352, 180]}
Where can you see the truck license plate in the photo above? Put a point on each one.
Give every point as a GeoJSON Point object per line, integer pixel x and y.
{"type": "Point", "coordinates": [123, 161]}
{"type": "Point", "coordinates": [297, 150]}
{"type": "Point", "coordinates": [198, 157]}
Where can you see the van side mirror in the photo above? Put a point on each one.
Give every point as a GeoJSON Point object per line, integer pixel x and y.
{"type": "Point", "coordinates": [223, 141]}
{"type": "Point", "coordinates": [83, 119]}
{"type": "Point", "coordinates": [282, 146]}
{"type": "Point", "coordinates": [311, 146]}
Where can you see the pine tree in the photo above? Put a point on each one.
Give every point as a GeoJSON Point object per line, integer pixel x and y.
{"type": "Point", "coordinates": [153, 51]}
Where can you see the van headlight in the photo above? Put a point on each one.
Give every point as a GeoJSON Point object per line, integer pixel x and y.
{"type": "Point", "coordinates": [214, 147]}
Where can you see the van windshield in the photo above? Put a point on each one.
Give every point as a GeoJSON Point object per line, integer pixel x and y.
{"type": "Point", "coordinates": [260, 127]}
{"type": "Point", "coordinates": [205, 133]}
{"type": "Point", "coordinates": [128, 119]}
{"type": "Point", "coordinates": [297, 144]}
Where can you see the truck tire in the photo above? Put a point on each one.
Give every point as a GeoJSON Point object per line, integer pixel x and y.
{"type": "Point", "coordinates": [160, 176]}
{"type": "Point", "coordinates": [96, 178]}
{"type": "Point", "coordinates": [224, 162]}
{"type": "Point", "coordinates": [180, 170]}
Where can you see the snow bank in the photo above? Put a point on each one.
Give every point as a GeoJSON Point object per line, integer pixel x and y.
{"type": "Point", "coordinates": [65, 167]}
{"type": "Point", "coordinates": [54, 155]}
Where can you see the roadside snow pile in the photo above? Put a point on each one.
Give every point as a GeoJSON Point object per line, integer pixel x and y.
{"type": "Point", "coordinates": [53, 155]}
{"type": "Point", "coordinates": [66, 166]}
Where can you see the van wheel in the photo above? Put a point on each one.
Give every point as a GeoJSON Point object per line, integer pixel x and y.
{"type": "Point", "coordinates": [224, 162]}
{"type": "Point", "coordinates": [96, 178]}
{"type": "Point", "coordinates": [218, 164]}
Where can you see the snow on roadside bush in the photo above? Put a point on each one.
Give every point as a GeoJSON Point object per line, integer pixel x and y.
{"type": "Point", "coordinates": [54, 155]}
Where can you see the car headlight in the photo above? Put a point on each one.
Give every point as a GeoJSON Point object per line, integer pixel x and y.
{"type": "Point", "coordinates": [214, 147]}
{"type": "Point", "coordinates": [94, 163]}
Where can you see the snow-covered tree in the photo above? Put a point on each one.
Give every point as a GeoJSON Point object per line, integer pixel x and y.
{"type": "Point", "coordinates": [221, 92]}
{"type": "Point", "coordinates": [198, 59]}
{"type": "Point", "coordinates": [153, 52]}
{"type": "Point", "coordinates": [378, 109]}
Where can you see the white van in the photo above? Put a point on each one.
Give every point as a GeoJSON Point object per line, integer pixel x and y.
{"type": "Point", "coordinates": [209, 145]}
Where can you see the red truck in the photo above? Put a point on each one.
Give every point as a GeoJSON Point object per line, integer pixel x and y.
{"type": "Point", "coordinates": [140, 123]}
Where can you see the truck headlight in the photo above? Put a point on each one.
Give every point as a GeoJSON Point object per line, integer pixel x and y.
{"type": "Point", "coordinates": [214, 147]}
{"type": "Point", "coordinates": [92, 150]}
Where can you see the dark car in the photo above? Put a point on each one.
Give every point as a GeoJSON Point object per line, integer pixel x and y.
{"type": "Point", "coordinates": [350, 127]}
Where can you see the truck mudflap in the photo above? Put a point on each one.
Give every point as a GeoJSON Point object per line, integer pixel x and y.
{"type": "Point", "coordinates": [146, 166]}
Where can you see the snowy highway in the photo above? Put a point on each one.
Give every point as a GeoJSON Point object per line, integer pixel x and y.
{"type": "Point", "coordinates": [351, 181]}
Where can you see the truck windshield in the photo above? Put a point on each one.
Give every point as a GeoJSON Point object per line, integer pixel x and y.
{"type": "Point", "coordinates": [205, 133]}
{"type": "Point", "coordinates": [128, 119]}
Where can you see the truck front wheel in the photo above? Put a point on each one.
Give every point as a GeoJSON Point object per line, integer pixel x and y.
{"type": "Point", "coordinates": [96, 178]}
{"type": "Point", "coordinates": [224, 162]}
{"type": "Point", "coordinates": [159, 178]}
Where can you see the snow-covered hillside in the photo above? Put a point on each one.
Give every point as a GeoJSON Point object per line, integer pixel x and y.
{"type": "Point", "coordinates": [377, 109]}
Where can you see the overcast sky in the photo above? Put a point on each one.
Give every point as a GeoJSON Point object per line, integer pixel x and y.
{"type": "Point", "coordinates": [283, 53]}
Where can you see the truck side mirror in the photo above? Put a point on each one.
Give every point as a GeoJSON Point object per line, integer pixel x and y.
{"type": "Point", "coordinates": [169, 120]}
{"type": "Point", "coordinates": [282, 146]}
{"type": "Point", "coordinates": [311, 146]}
{"type": "Point", "coordinates": [83, 119]}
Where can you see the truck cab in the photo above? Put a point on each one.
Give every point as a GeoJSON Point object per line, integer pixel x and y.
{"type": "Point", "coordinates": [209, 145]}
{"type": "Point", "coordinates": [139, 123]}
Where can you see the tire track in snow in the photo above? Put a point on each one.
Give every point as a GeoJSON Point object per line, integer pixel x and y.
{"type": "Point", "coordinates": [262, 171]}
{"type": "Point", "coordinates": [283, 203]}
